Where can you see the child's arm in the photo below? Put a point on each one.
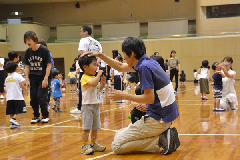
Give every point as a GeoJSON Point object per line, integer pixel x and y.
{"type": "Point", "coordinates": [210, 78]}
{"type": "Point", "coordinates": [94, 82]}
{"type": "Point", "coordinates": [25, 91]}
{"type": "Point", "coordinates": [197, 73]}
{"type": "Point", "coordinates": [103, 83]}
{"type": "Point", "coordinates": [112, 76]}
{"type": "Point", "coordinates": [124, 75]}
{"type": "Point", "coordinates": [61, 83]}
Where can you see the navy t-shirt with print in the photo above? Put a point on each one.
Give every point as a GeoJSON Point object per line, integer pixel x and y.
{"type": "Point", "coordinates": [37, 60]}
{"type": "Point", "coordinates": [152, 76]}
{"type": "Point", "coordinates": [217, 81]}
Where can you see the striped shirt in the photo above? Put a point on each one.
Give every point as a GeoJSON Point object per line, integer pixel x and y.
{"type": "Point", "coordinates": [152, 76]}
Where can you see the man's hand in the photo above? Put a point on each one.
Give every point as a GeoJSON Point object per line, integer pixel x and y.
{"type": "Point", "coordinates": [116, 95]}
{"type": "Point", "coordinates": [100, 72]}
{"type": "Point", "coordinates": [28, 84]}
{"type": "Point", "coordinates": [44, 83]}
{"type": "Point", "coordinates": [96, 54]}
{"type": "Point", "coordinates": [142, 107]}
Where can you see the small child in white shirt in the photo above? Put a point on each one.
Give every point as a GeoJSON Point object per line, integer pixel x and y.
{"type": "Point", "coordinates": [15, 101]}
{"type": "Point", "coordinates": [91, 99]}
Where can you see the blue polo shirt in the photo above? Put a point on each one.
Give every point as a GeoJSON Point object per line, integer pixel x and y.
{"type": "Point", "coordinates": [152, 76]}
{"type": "Point", "coordinates": [217, 81]}
{"type": "Point", "coordinates": [56, 91]}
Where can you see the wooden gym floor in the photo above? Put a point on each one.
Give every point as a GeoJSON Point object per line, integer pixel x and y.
{"type": "Point", "coordinates": [203, 134]}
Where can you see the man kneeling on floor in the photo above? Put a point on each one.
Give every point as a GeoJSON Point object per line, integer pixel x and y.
{"type": "Point", "coordinates": [152, 131]}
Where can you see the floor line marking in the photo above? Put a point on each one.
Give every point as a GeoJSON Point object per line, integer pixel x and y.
{"type": "Point", "coordinates": [104, 155]}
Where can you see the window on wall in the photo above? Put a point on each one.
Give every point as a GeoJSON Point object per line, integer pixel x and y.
{"type": "Point", "coordinates": [222, 11]}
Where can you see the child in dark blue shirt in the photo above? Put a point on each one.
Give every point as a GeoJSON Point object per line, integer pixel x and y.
{"type": "Point", "coordinates": [217, 86]}
{"type": "Point", "coordinates": [56, 90]}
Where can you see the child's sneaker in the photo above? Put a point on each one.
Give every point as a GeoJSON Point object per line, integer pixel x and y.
{"type": "Point", "coordinates": [59, 110]}
{"type": "Point", "coordinates": [12, 126]}
{"type": "Point", "coordinates": [214, 109]}
{"type": "Point", "coordinates": [205, 98]}
{"type": "Point", "coordinates": [13, 121]}
{"type": "Point", "coordinates": [98, 148]}
{"type": "Point", "coordinates": [45, 120]}
{"type": "Point", "coordinates": [220, 109]}
{"type": "Point", "coordinates": [167, 142]}
{"type": "Point", "coordinates": [176, 139]}
{"type": "Point", "coordinates": [87, 149]}
{"type": "Point", "coordinates": [54, 108]}
{"type": "Point", "coordinates": [35, 120]}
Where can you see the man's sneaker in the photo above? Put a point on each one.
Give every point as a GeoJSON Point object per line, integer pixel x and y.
{"type": "Point", "coordinates": [59, 110]}
{"type": "Point", "coordinates": [13, 121]}
{"type": "Point", "coordinates": [87, 149]}
{"type": "Point", "coordinates": [1, 96]}
{"type": "Point", "coordinates": [54, 108]}
{"type": "Point", "coordinates": [12, 126]}
{"type": "Point", "coordinates": [167, 142]}
{"type": "Point", "coordinates": [75, 111]}
{"type": "Point", "coordinates": [176, 139]}
{"type": "Point", "coordinates": [35, 120]}
{"type": "Point", "coordinates": [98, 148]}
{"type": "Point", "coordinates": [45, 120]}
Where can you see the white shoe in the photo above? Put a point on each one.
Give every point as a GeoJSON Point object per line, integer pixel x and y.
{"type": "Point", "coordinates": [1, 96]}
{"type": "Point", "coordinates": [13, 121]}
{"type": "Point", "coordinates": [45, 120]}
{"type": "Point", "coordinates": [75, 111]}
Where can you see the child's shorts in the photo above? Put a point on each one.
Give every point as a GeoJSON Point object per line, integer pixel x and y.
{"type": "Point", "coordinates": [16, 107]}
{"type": "Point", "coordinates": [57, 101]}
{"type": "Point", "coordinates": [91, 116]}
{"type": "Point", "coordinates": [217, 93]}
{"type": "Point", "coordinates": [72, 80]}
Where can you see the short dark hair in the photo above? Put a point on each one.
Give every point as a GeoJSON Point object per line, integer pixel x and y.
{"type": "Point", "coordinates": [229, 59]}
{"type": "Point", "coordinates": [160, 60]}
{"type": "Point", "coordinates": [155, 53]}
{"type": "Point", "coordinates": [166, 60]}
{"type": "Point", "coordinates": [138, 90]}
{"type": "Point", "coordinates": [71, 68]}
{"type": "Point", "coordinates": [214, 65]}
{"type": "Point", "coordinates": [119, 57]}
{"type": "Point", "coordinates": [54, 73]}
{"type": "Point", "coordinates": [20, 57]}
{"type": "Point", "coordinates": [194, 70]}
{"type": "Point", "coordinates": [75, 59]}
{"type": "Point", "coordinates": [132, 44]}
{"type": "Point", "coordinates": [11, 66]}
{"type": "Point", "coordinates": [88, 29]}
{"type": "Point", "coordinates": [85, 60]}
{"type": "Point", "coordinates": [41, 41]}
{"type": "Point", "coordinates": [12, 55]}
{"type": "Point", "coordinates": [30, 35]}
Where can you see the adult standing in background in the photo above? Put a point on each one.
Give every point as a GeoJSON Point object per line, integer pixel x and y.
{"type": "Point", "coordinates": [86, 44]}
{"type": "Point", "coordinates": [1, 77]}
{"type": "Point", "coordinates": [174, 68]}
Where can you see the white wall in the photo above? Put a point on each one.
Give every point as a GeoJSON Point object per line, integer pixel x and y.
{"type": "Point", "coordinates": [167, 27]}
{"type": "Point", "coordinates": [120, 30]}
{"type": "Point", "coordinates": [3, 32]}
{"type": "Point", "coordinates": [16, 33]}
{"type": "Point", "coordinates": [69, 32]}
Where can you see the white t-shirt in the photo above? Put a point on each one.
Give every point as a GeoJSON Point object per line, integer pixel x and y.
{"type": "Point", "coordinates": [89, 44]}
{"type": "Point", "coordinates": [204, 73]}
{"type": "Point", "coordinates": [2, 62]}
{"type": "Point", "coordinates": [116, 73]}
{"type": "Point", "coordinates": [12, 83]}
{"type": "Point", "coordinates": [103, 64]}
{"type": "Point", "coordinates": [228, 84]}
{"type": "Point", "coordinates": [77, 66]}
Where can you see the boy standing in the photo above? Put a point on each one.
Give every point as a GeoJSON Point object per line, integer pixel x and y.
{"type": "Point", "coordinates": [217, 86]}
{"type": "Point", "coordinates": [14, 97]}
{"type": "Point", "coordinates": [56, 90]}
{"type": "Point", "coordinates": [152, 131]}
{"type": "Point", "coordinates": [38, 65]}
{"type": "Point", "coordinates": [91, 99]}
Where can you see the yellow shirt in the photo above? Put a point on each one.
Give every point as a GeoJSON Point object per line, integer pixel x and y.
{"type": "Point", "coordinates": [72, 74]}
{"type": "Point", "coordinates": [90, 95]}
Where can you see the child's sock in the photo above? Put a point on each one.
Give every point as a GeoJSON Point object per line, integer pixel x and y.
{"type": "Point", "coordinates": [84, 143]}
{"type": "Point", "coordinates": [93, 141]}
